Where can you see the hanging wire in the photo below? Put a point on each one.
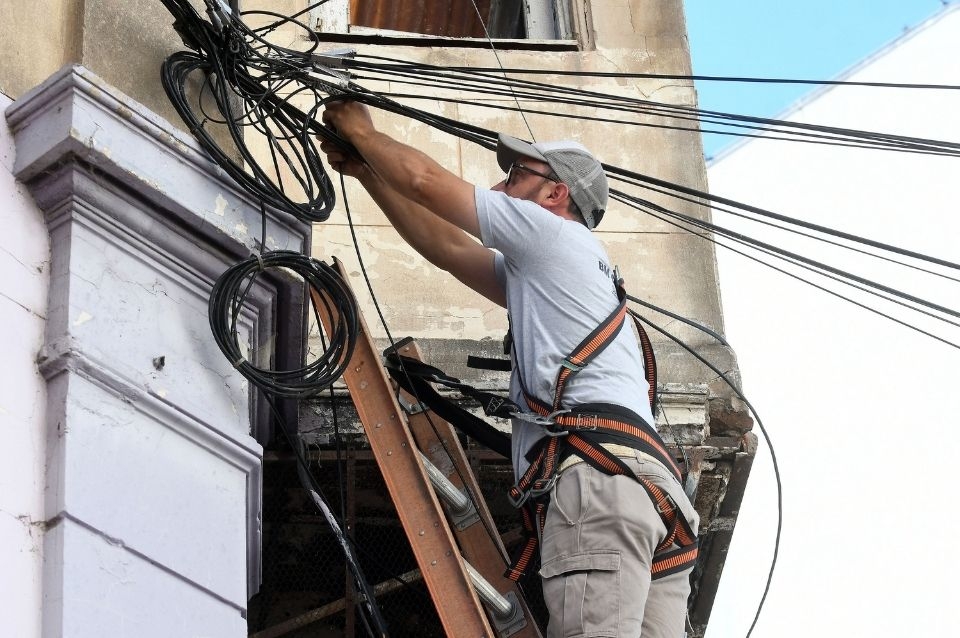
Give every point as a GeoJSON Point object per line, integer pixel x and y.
{"type": "Point", "coordinates": [496, 54]}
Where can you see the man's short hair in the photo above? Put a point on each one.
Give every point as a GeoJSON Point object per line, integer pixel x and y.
{"type": "Point", "coordinates": [573, 164]}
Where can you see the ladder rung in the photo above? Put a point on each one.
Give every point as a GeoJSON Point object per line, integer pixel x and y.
{"type": "Point", "coordinates": [460, 504]}
{"type": "Point", "coordinates": [500, 606]}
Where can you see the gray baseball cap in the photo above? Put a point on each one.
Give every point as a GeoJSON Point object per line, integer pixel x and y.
{"type": "Point", "coordinates": [574, 165]}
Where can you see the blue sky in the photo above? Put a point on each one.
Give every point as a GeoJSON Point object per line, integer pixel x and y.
{"type": "Point", "coordinates": [813, 39]}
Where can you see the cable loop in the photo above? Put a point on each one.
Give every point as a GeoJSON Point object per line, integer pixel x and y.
{"type": "Point", "coordinates": [230, 295]}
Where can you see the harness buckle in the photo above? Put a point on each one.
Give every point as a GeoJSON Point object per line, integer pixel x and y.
{"type": "Point", "coordinates": [549, 430]}
{"type": "Point", "coordinates": [545, 486]}
{"type": "Point", "coordinates": [520, 500]}
{"type": "Point", "coordinates": [586, 421]}
{"type": "Point", "coordinates": [570, 365]}
{"type": "Point", "coordinates": [544, 421]}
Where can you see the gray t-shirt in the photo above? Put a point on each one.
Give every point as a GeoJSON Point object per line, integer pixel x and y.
{"type": "Point", "coordinates": [559, 287]}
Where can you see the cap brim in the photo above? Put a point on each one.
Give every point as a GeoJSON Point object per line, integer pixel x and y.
{"type": "Point", "coordinates": [510, 148]}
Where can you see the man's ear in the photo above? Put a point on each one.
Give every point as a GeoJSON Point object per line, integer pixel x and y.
{"type": "Point", "coordinates": [559, 194]}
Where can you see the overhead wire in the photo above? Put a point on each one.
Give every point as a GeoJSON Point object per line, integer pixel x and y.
{"type": "Point", "coordinates": [496, 55]}
{"type": "Point", "coordinates": [766, 436]}
{"type": "Point", "coordinates": [706, 236]}
{"type": "Point", "coordinates": [481, 83]}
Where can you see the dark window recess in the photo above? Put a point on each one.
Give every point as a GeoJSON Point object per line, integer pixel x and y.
{"type": "Point", "coordinates": [445, 18]}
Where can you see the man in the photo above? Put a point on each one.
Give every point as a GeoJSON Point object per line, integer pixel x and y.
{"type": "Point", "coordinates": [602, 534]}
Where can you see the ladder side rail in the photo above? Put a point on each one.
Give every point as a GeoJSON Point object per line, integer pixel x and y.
{"type": "Point", "coordinates": [420, 513]}
{"type": "Point", "coordinates": [480, 544]}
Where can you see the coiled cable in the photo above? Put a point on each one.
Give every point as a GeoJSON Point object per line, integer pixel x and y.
{"type": "Point", "coordinates": [228, 298]}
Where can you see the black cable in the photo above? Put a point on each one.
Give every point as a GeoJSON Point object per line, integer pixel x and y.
{"type": "Point", "coordinates": [375, 623]}
{"type": "Point", "coordinates": [551, 93]}
{"type": "Point", "coordinates": [222, 61]}
{"type": "Point", "coordinates": [794, 231]}
{"type": "Point", "coordinates": [639, 178]}
{"type": "Point", "coordinates": [699, 78]}
{"type": "Point", "coordinates": [764, 132]}
{"type": "Point", "coordinates": [228, 299]}
{"type": "Point", "coordinates": [810, 283]}
{"type": "Point", "coordinates": [766, 437]}
{"type": "Point", "coordinates": [792, 256]}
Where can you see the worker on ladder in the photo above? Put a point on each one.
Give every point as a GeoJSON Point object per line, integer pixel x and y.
{"type": "Point", "coordinates": [601, 495]}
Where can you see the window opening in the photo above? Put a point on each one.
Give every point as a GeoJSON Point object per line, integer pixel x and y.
{"type": "Point", "coordinates": [454, 19]}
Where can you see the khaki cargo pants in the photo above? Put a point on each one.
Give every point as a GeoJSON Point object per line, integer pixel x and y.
{"type": "Point", "coordinates": [597, 547]}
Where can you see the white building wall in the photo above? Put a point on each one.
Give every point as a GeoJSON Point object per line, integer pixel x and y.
{"type": "Point", "coordinates": [24, 262]}
{"type": "Point", "coordinates": [130, 486]}
{"type": "Point", "coordinates": [862, 411]}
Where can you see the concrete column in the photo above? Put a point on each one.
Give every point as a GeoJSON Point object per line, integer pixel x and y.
{"type": "Point", "coordinates": [152, 490]}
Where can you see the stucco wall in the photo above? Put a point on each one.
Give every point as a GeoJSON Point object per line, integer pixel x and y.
{"type": "Point", "coordinates": [25, 264]}
{"type": "Point", "coordinates": [120, 40]}
{"type": "Point", "coordinates": [671, 268]}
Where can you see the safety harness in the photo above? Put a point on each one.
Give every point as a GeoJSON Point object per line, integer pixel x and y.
{"type": "Point", "coordinates": [581, 430]}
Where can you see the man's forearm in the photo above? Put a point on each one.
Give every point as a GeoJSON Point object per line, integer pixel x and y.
{"type": "Point", "coordinates": [431, 208]}
{"type": "Point", "coordinates": [431, 236]}
{"type": "Point", "coordinates": [437, 240]}
{"type": "Point", "coordinates": [416, 177]}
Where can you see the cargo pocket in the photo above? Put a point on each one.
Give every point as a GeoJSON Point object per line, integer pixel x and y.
{"type": "Point", "coordinates": [582, 592]}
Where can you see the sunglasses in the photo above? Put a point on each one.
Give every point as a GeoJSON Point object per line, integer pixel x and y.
{"type": "Point", "coordinates": [517, 167]}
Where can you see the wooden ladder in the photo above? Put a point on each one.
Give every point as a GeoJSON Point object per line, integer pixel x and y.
{"type": "Point", "coordinates": [404, 446]}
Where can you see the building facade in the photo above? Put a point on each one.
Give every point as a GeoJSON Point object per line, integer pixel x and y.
{"type": "Point", "coordinates": [135, 487]}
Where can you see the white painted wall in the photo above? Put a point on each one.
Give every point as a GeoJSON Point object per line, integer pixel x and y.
{"type": "Point", "coordinates": [24, 273]}
{"type": "Point", "coordinates": [862, 412]}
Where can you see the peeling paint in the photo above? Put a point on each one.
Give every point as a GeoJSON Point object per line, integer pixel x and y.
{"type": "Point", "coordinates": [82, 318]}
{"type": "Point", "coordinates": [220, 205]}
{"type": "Point", "coordinates": [241, 228]}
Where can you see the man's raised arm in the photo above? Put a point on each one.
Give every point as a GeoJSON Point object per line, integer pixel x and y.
{"type": "Point", "coordinates": [441, 242]}
{"type": "Point", "coordinates": [411, 173]}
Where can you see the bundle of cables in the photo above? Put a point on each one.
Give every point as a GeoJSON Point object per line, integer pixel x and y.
{"type": "Point", "coordinates": [332, 301]}
{"type": "Point", "coordinates": [250, 84]}
{"type": "Point", "coordinates": [227, 301]}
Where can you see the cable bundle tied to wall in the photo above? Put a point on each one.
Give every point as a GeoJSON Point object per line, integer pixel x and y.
{"type": "Point", "coordinates": [235, 82]}
{"type": "Point", "coordinates": [227, 302]}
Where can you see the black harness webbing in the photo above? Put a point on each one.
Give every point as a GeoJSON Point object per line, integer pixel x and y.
{"type": "Point", "coordinates": [414, 376]}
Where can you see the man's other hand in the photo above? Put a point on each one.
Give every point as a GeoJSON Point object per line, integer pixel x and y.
{"type": "Point", "coordinates": [343, 161]}
{"type": "Point", "coordinates": [351, 120]}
